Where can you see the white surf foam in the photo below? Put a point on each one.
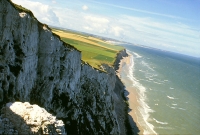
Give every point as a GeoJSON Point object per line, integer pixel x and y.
{"type": "Point", "coordinates": [145, 80]}
{"type": "Point", "coordinates": [172, 107]}
{"type": "Point", "coordinates": [150, 79]}
{"type": "Point", "coordinates": [147, 65]}
{"type": "Point", "coordinates": [137, 55]}
{"type": "Point", "coordinates": [177, 108]}
{"type": "Point", "coordinates": [142, 71]}
{"type": "Point", "coordinates": [171, 97]}
{"type": "Point", "coordinates": [182, 109]}
{"type": "Point", "coordinates": [144, 109]}
{"type": "Point", "coordinates": [163, 123]}
{"type": "Point", "coordinates": [158, 82]}
{"type": "Point", "coordinates": [165, 128]}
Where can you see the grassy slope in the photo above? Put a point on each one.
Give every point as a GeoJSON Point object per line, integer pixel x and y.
{"type": "Point", "coordinates": [94, 51]}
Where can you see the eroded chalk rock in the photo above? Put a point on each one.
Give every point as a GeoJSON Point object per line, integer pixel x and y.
{"type": "Point", "coordinates": [24, 118]}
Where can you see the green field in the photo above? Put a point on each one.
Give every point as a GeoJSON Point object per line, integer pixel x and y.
{"type": "Point", "coordinates": [94, 51]}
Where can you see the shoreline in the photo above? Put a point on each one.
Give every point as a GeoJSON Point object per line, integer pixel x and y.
{"type": "Point", "coordinates": [131, 96]}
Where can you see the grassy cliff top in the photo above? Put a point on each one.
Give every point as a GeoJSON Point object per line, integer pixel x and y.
{"type": "Point", "coordinates": [21, 9]}
{"type": "Point", "coordinates": [94, 50]}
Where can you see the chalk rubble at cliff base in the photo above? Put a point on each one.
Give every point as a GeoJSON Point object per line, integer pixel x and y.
{"type": "Point", "coordinates": [23, 118]}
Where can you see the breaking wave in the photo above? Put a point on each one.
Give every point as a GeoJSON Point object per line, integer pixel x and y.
{"type": "Point", "coordinates": [144, 109]}
{"type": "Point", "coordinates": [163, 123]}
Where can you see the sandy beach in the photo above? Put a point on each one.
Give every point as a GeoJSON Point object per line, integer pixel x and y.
{"type": "Point", "coordinates": [132, 94]}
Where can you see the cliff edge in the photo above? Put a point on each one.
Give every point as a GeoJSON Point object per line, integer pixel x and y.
{"type": "Point", "coordinates": [37, 67]}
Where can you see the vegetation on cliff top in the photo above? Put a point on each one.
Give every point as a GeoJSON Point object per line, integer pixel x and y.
{"type": "Point", "coordinates": [21, 9]}
{"type": "Point", "coordinates": [94, 51]}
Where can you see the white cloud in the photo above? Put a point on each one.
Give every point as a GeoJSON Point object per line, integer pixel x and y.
{"type": "Point", "coordinates": [96, 23]}
{"type": "Point", "coordinates": [95, 19]}
{"type": "Point", "coordinates": [87, 22]}
{"type": "Point", "coordinates": [54, 2]}
{"type": "Point", "coordinates": [85, 7]}
{"type": "Point", "coordinates": [117, 31]}
{"type": "Point", "coordinates": [88, 28]}
{"type": "Point", "coordinates": [69, 18]}
{"type": "Point", "coordinates": [42, 12]}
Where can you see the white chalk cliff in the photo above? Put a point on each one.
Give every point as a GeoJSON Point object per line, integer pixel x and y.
{"type": "Point", "coordinates": [37, 67]}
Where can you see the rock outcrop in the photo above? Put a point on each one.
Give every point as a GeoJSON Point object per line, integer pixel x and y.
{"type": "Point", "coordinates": [29, 119]}
{"type": "Point", "coordinates": [37, 67]}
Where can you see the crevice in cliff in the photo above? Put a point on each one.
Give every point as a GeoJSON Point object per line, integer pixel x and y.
{"type": "Point", "coordinates": [15, 69]}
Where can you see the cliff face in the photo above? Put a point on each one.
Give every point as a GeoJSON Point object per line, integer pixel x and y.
{"type": "Point", "coordinates": [120, 55]}
{"type": "Point", "coordinates": [35, 66]}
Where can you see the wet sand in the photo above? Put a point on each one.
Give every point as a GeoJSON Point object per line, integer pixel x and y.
{"type": "Point", "coordinates": [132, 95]}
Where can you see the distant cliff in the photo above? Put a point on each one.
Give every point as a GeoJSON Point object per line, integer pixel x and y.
{"type": "Point", "coordinates": [119, 56]}
{"type": "Point", "coordinates": [37, 67]}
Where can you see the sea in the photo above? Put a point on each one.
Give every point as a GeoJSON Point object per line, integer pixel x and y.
{"type": "Point", "coordinates": [168, 89]}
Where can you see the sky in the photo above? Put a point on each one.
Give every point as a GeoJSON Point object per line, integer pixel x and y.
{"type": "Point", "coordinates": [171, 25]}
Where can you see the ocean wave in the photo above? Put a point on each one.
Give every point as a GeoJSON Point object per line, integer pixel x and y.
{"type": "Point", "coordinates": [144, 80]}
{"type": "Point", "coordinates": [158, 82]}
{"type": "Point", "coordinates": [147, 65]}
{"type": "Point", "coordinates": [171, 97]}
{"type": "Point", "coordinates": [152, 75]}
{"type": "Point", "coordinates": [164, 127]}
{"type": "Point", "coordinates": [150, 79]}
{"type": "Point", "coordinates": [137, 55]}
{"type": "Point", "coordinates": [150, 89]}
{"type": "Point", "coordinates": [163, 123]}
{"type": "Point", "coordinates": [144, 109]}
{"type": "Point", "coordinates": [176, 107]}
{"type": "Point", "coordinates": [142, 71]}
{"type": "Point", "coordinates": [172, 107]}
{"type": "Point", "coordinates": [182, 109]}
